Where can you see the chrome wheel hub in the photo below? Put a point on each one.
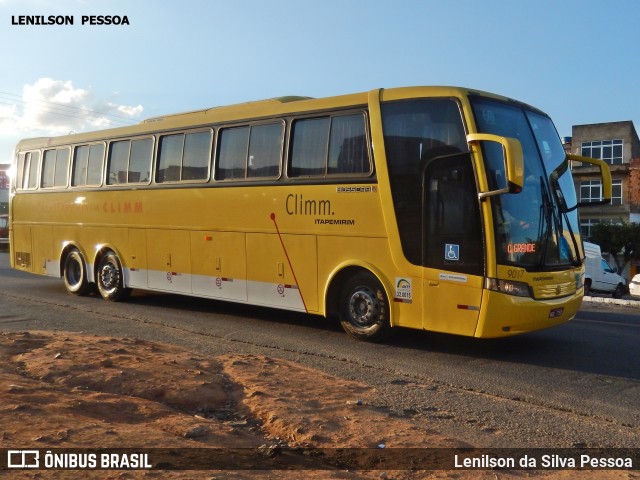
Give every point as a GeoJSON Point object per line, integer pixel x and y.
{"type": "Point", "coordinates": [108, 276]}
{"type": "Point", "coordinates": [364, 307]}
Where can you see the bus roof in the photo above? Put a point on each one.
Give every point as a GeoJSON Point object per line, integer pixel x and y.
{"type": "Point", "coordinates": [261, 109]}
{"type": "Point", "coordinates": [271, 102]}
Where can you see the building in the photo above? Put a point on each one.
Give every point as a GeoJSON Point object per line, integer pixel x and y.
{"type": "Point", "coordinates": [616, 143]}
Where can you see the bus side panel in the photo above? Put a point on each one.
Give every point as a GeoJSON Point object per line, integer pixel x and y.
{"type": "Point", "coordinates": [219, 268]}
{"type": "Point", "coordinates": [451, 302]}
{"type": "Point", "coordinates": [137, 273]}
{"type": "Point", "coordinates": [44, 258]}
{"type": "Point", "coordinates": [21, 248]}
{"type": "Point", "coordinates": [169, 260]}
{"type": "Point", "coordinates": [270, 279]}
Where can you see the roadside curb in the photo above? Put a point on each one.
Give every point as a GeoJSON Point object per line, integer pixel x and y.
{"type": "Point", "coordinates": [614, 301]}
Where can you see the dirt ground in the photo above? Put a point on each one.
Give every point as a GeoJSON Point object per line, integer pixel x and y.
{"type": "Point", "coordinates": [63, 390]}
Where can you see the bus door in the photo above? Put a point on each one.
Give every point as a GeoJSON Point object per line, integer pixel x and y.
{"type": "Point", "coordinates": [452, 243]}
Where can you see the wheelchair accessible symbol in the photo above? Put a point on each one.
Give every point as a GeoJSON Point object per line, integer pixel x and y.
{"type": "Point", "coordinates": [451, 252]}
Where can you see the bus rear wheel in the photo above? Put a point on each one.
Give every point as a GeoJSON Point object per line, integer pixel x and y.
{"type": "Point", "coordinates": [110, 278]}
{"type": "Point", "coordinates": [364, 308]}
{"type": "Point", "coordinates": [75, 273]}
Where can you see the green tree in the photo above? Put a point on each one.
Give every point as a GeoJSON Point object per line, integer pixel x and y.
{"type": "Point", "coordinates": [620, 240]}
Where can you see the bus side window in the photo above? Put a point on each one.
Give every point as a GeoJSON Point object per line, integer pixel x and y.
{"type": "Point", "coordinates": [55, 168]}
{"type": "Point", "coordinates": [31, 180]}
{"type": "Point", "coordinates": [251, 151]}
{"type": "Point", "coordinates": [265, 150]}
{"type": "Point", "coordinates": [118, 162]}
{"type": "Point", "coordinates": [310, 138]}
{"type": "Point", "coordinates": [95, 164]}
{"type": "Point", "coordinates": [20, 168]}
{"type": "Point", "coordinates": [80, 166]}
{"type": "Point", "coordinates": [329, 146]}
{"type": "Point", "coordinates": [182, 157]}
{"type": "Point", "coordinates": [196, 156]}
{"type": "Point", "coordinates": [169, 155]}
{"type": "Point", "coordinates": [233, 144]}
{"type": "Point", "coordinates": [348, 145]}
{"type": "Point", "coordinates": [139, 169]}
{"type": "Point", "coordinates": [62, 168]}
{"type": "Point", "coordinates": [88, 161]}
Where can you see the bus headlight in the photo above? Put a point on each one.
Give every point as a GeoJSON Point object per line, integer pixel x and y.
{"type": "Point", "coordinates": [519, 289]}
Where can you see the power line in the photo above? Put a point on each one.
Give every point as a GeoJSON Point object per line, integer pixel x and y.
{"type": "Point", "coordinates": [69, 107]}
{"type": "Point", "coordinates": [64, 113]}
{"type": "Point", "coordinates": [71, 115]}
{"type": "Point", "coordinates": [67, 110]}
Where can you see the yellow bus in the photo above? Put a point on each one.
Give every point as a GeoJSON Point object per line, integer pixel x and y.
{"type": "Point", "coordinates": [435, 208]}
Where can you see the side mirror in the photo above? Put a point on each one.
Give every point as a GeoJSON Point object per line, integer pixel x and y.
{"type": "Point", "coordinates": [513, 162]}
{"type": "Point", "coordinates": [605, 174]}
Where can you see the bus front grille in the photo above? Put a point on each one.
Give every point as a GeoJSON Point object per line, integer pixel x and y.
{"type": "Point", "coordinates": [555, 290]}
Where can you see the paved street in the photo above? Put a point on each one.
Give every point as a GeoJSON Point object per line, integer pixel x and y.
{"type": "Point", "coordinates": [574, 385]}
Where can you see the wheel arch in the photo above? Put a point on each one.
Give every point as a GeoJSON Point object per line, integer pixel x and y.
{"type": "Point", "coordinates": [339, 276]}
{"type": "Point", "coordinates": [587, 285]}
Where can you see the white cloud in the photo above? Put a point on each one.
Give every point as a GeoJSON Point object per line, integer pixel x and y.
{"type": "Point", "coordinates": [56, 107]}
{"type": "Point", "coordinates": [8, 116]}
{"type": "Point", "coordinates": [131, 111]}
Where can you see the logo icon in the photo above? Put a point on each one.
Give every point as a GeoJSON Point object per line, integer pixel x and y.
{"type": "Point", "coordinates": [403, 290]}
{"type": "Point", "coordinates": [452, 252]}
{"type": "Point", "coordinates": [23, 459]}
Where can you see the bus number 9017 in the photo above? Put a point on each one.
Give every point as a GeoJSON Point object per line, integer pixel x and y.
{"type": "Point", "coordinates": [515, 274]}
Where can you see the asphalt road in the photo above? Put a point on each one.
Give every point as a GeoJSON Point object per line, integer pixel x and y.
{"type": "Point", "coordinates": [574, 385]}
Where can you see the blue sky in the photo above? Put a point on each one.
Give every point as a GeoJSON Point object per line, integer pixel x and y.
{"type": "Point", "coordinates": [579, 61]}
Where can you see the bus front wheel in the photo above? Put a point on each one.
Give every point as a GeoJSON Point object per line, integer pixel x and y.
{"type": "Point", "coordinates": [110, 278]}
{"type": "Point", "coordinates": [75, 273]}
{"type": "Point", "coordinates": [364, 308]}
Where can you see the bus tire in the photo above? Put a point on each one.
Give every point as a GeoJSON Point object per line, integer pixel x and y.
{"type": "Point", "coordinates": [74, 273]}
{"type": "Point", "coordinates": [364, 308]}
{"type": "Point", "coordinates": [110, 278]}
{"type": "Point", "coordinates": [587, 288]}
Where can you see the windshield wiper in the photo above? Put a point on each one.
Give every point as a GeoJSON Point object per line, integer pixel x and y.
{"type": "Point", "coordinates": [552, 210]}
{"type": "Point", "coordinates": [575, 259]}
{"type": "Point", "coordinates": [546, 211]}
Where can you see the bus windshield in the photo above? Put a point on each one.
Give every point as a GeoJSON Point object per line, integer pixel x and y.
{"type": "Point", "coordinates": [537, 228]}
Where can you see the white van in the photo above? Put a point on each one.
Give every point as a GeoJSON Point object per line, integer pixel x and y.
{"type": "Point", "coordinates": [599, 276]}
